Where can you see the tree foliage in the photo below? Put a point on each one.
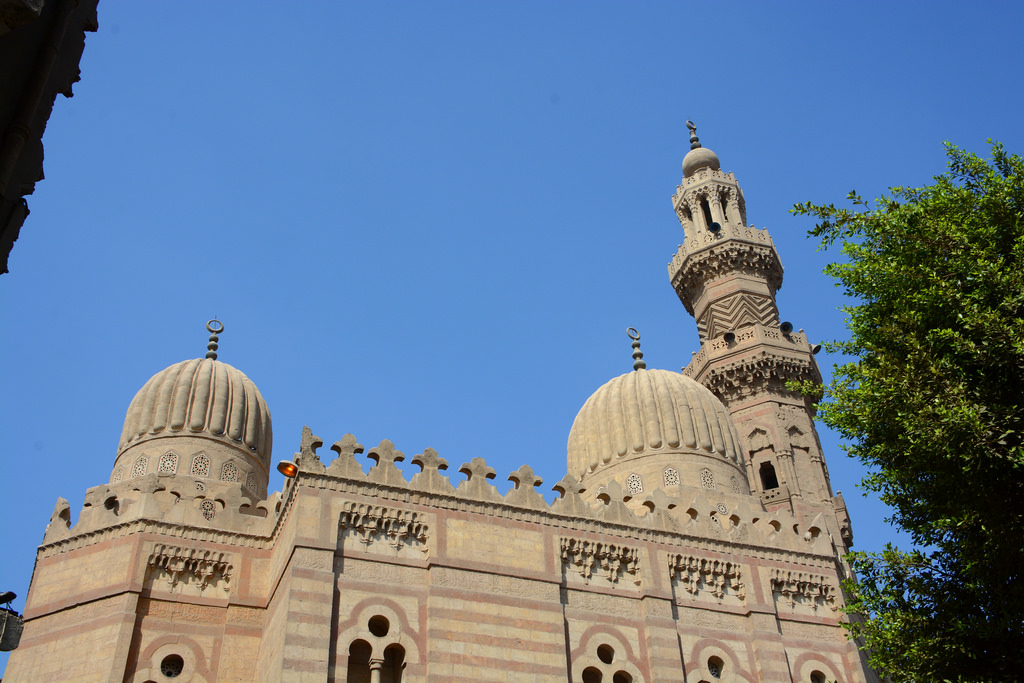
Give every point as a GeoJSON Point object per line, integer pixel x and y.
{"type": "Point", "coordinates": [932, 400]}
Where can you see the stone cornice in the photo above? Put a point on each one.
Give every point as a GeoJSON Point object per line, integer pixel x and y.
{"type": "Point", "coordinates": [745, 251]}
{"type": "Point", "coordinates": [761, 371]}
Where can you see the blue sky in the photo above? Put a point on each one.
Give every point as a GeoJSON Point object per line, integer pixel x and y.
{"type": "Point", "coordinates": [433, 222]}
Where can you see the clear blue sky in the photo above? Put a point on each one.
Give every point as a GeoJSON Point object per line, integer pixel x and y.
{"type": "Point", "coordinates": [433, 222]}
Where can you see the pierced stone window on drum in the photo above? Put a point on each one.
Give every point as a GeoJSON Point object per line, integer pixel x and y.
{"type": "Point", "coordinates": [707, 479]}
{"type": "Point", "coordinates": [200, 466]}
{"type": "Point", "coordinates": [229, 472]}
{"type": "Point", "coordinates": [250, 481]}
{"type": "Point", "coordinates": [118, 474]}
{"type": "Point", "coordinates": [671, 476]}
{"type": "Point", "coordinates": [140, 467]}
{"type": "Point", "coordinates": [634, 484]}
{"type": "Point", "coordinates": [168, 463]}
{"type": "Point", "coordinates": [208, 508]}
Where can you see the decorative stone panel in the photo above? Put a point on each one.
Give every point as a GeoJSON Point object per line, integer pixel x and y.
{"type": "Point", "coordinates": [671, 476]}
{"type": "Point", "coordinates": [802, 591]}
{"type": "Point", "coordinates": [707, 479]}
{"type": "Point", "coordinates": [139, 467]}
{"type": "Point", "coordinates": [168, 463]}
{"type": "Point", "coordinates": [707, 578]}
{"type": "Point", "coordinates": [229, 472]}
{"type": "Point", "coordinates": [189, 571]}
{"type": "Point", "coordinates": [375, 526]}
{"type": "Point", "coordinates": [200, 465]}
{"type": "Point", "coordinates": [608, 561]}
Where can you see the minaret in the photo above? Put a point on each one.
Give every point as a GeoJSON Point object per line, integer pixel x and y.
{"type": "Point", "coordinates": [726, 274]}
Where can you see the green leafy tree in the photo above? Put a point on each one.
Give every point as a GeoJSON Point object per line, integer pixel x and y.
{"type": "Point", "coordinates": [932, 401]}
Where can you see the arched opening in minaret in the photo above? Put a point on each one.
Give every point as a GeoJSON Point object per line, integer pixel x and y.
{"type": "Point", "coordinates": [705, 208]}
{"type": "Point", "coordinates": [723, 201]}
{"type": "Point", "coordinates": [358, 662]}
{"type": "Point", "coordinates": [394, 662]}
{"type": "Point", "coordinates": [769, 480]}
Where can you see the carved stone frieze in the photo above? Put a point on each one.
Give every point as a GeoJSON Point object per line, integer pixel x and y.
{"type": "Point", "coordinates": [380, 573]}
{"type": "Point", "coordinates": [707, 578]}
{"type": "Point", "coordinates": [192, 571]}
{"type": "Point", "coordinates": [609, 561]}
{"type": "Point", "coordinates": [511, 586]}
{"type": "Point", "coordinates": [802, 591]}
{"type": "Point", "coordinates": [371, 524]}
{"type": "Point", "coordinates": [182, 612]}
{"type": "Point", "coordinates": [599, 602]}
{"type": "Point", "coordinates": [765, 373]}
{"type": "Point", "coordinates": [693, 268]}
{"type": "Point", "coordinates": [736, 311]}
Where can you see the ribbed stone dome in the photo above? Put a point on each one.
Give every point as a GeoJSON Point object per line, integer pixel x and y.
{"type": "Point", "coordinates": [650, 412]}
{"type": "Point", "coordinates": [201, 398]}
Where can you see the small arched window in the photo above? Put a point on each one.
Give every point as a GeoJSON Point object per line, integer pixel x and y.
{"type": "Point", "coordinates": [200, 465]}
{"type": "Point", "coordinates": [769, 480]}
{"type": "Point", "coordinates": [140, 467]}
{"type": "Point", "coordinates": [358, 662]}
{"type": "Point", "coordinates": [705, 207]}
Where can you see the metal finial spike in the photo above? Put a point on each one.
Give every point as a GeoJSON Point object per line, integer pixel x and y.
{"type": "Point", "coordinates": [694, 140]}
{"type": "Point", "coordinates": [638, 355]}
{"type": "Point", "coordinates": [214, 327]}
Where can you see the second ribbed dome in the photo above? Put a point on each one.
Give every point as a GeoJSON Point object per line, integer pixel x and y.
{"type": "Point", "coordinates": [646, 412]}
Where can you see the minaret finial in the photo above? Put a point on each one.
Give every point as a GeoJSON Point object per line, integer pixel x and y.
{"type": "Point", "coordinates": [638, 355]}
{"type": "Point", "coordinates": [214, 327]}
{"type": "Point", "coordinates": [694, 140]}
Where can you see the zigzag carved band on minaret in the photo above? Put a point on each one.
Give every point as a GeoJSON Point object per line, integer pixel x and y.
{"type": "Point", "coordinates": [737, 310]}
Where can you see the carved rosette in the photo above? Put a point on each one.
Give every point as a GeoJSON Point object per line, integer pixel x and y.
{"type": "Point", "coordinates": [374, 523]}
{"type": "Point", "coordinates": [801, 591]}
{"type": "Point", "coordinates": [191, 571]}
{"type": "Point", "coordinates": [702, 577]}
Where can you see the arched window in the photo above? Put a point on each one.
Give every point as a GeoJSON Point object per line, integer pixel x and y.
{"type": "Point", "coordinates": [769, 480]}
{"type": "Point", "coordinates": [634, 484]}
{"type": "Point", "coordinates": [394, 663]}
{"type": "Point", "coordinates": [229, 472]}
{"type": "Point", "coordinates": [358, 662]}
{"type": "Point", "coordinates": [200, 465]}
{"type": "Point", "coordinates": [707, 479]}
{"type": "Point", "coordinates": [671, 476]}
{"type": "Point", "coordinates": [705, 207]}
{"type": "Point", "coordinates": [168, 463]}
{"type": "Point", "coordinates": [140, 467]}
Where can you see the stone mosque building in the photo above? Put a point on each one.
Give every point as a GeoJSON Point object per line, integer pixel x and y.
{"type": "Point", "coordinates": [696, 537]}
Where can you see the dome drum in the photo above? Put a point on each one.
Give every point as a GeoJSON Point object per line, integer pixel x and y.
{"type": "Point", "coordinates": [196, 458]}
{"type": "Point", "coordinates": [678, 475]}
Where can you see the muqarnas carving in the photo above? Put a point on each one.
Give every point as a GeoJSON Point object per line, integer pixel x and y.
{"type": "Point", "coordinates": [190, 571]}
{"type": "Point", "coordinates": [374, 524]}
{"type": "Point", "coordinates": [800, 590]}
{"type": "Point", "coordinates": [704, 577]}
{"type": "Point", "coordinates": [609, 561]}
